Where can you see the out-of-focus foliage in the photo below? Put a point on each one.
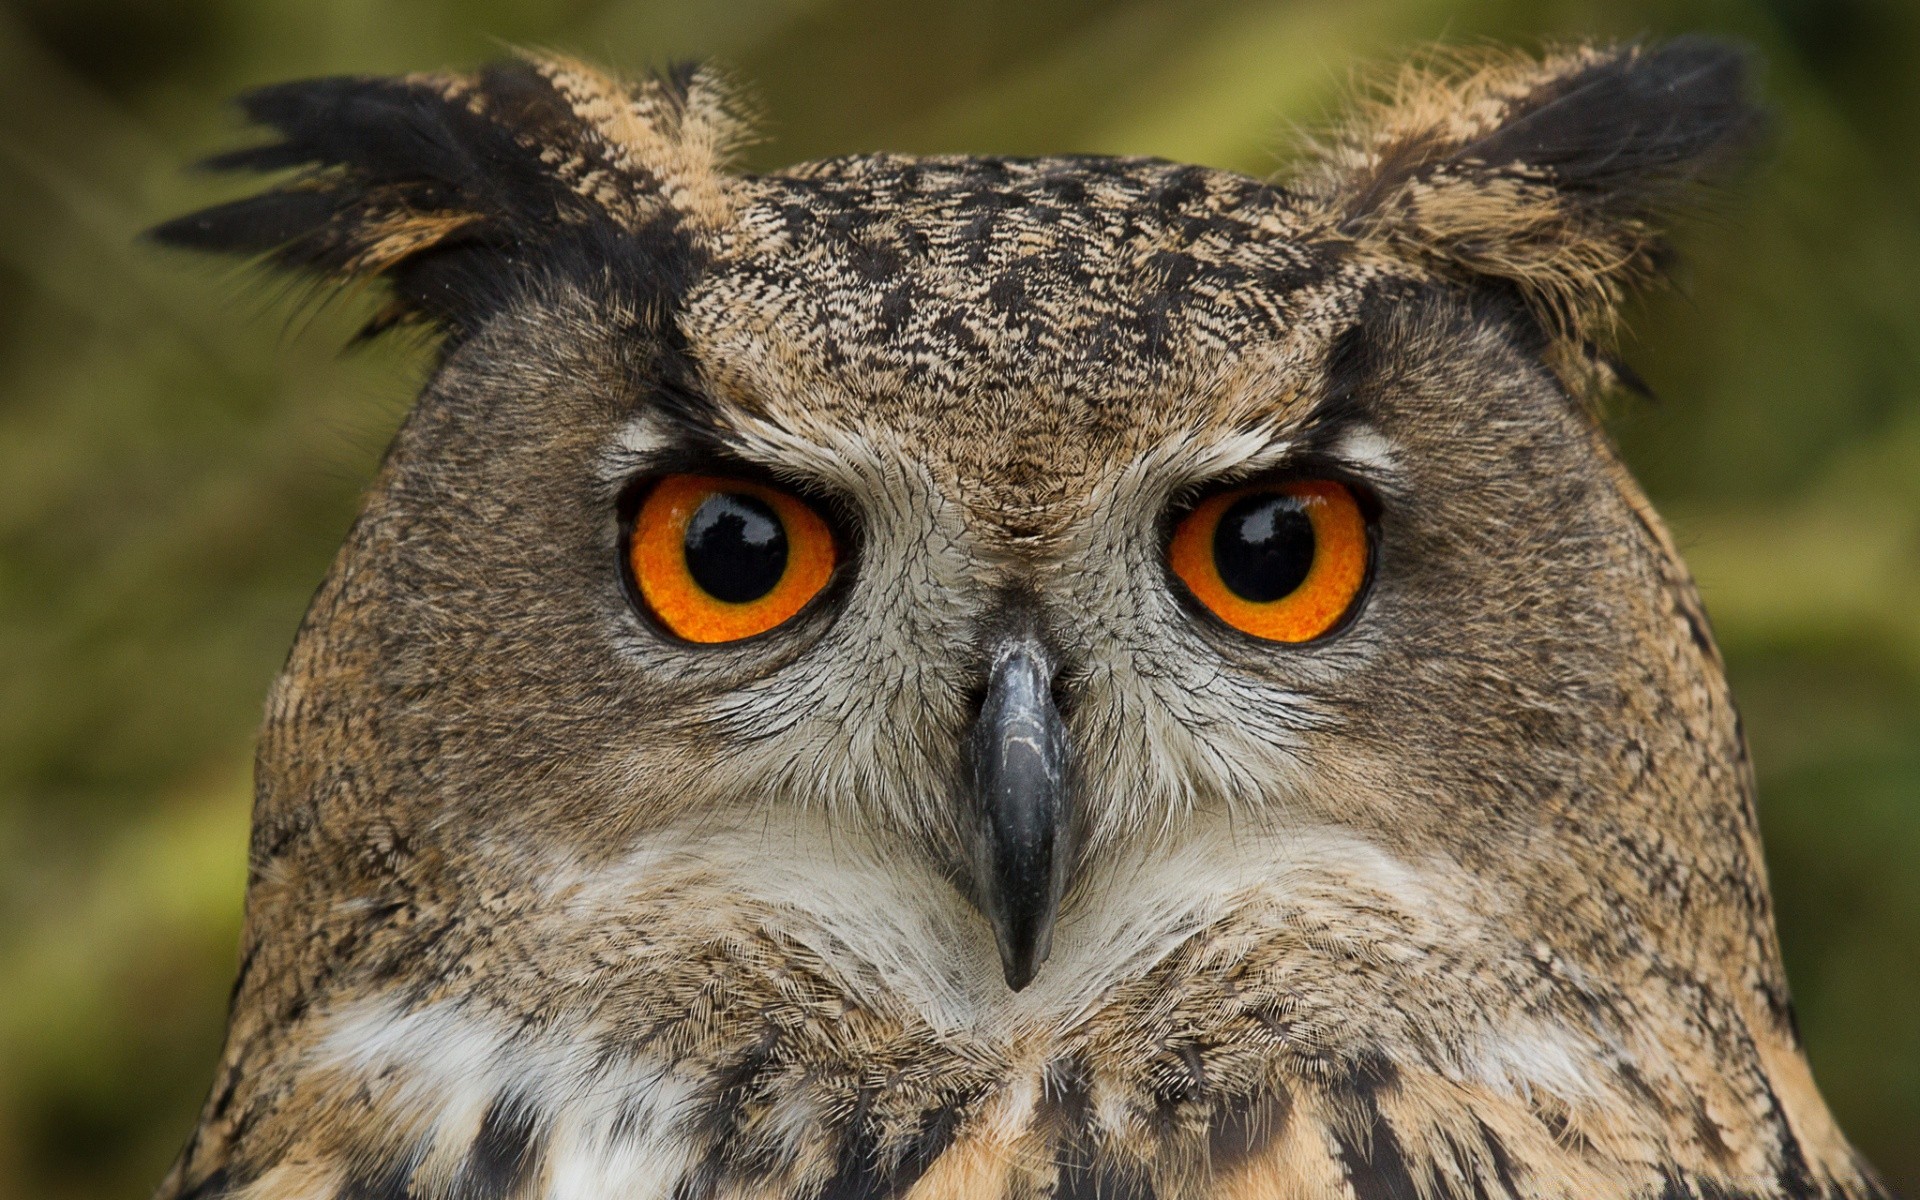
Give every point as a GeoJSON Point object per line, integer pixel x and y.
{"type": "Point", "coordinates": [176, 464]}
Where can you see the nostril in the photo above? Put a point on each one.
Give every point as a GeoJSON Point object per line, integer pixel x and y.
{"type": "Point", "coordinates": [1064, 695]}
{"type": "Point", "coordinates": [974, 698]}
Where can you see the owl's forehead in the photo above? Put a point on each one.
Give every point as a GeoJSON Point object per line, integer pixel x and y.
{"type": "Point", "coordinates": [1073, 300]}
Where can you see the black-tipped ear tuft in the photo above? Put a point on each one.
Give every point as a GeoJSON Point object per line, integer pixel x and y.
{"type": "Point", "coordinates": [1630, 129]}
{"type": "Point", "coordinates": [441, 184]}
{"type": "Point", "coordinates": [1551, 176]}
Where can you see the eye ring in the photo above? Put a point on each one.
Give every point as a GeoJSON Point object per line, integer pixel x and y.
{"type": "Point", "coordinates": [1284, 561]}
{"type": "Point", "coordinates": [715, 560]}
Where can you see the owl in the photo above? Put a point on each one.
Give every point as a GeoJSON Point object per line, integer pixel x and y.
{"type": "Point", "coordinates": [963, 678]}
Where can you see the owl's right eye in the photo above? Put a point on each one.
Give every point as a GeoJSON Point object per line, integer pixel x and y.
{"type": "Point", "coordinates": [718, 560]}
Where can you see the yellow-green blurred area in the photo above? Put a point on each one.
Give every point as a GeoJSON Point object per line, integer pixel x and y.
{"type": "Point", "coordinates": [182, 446]}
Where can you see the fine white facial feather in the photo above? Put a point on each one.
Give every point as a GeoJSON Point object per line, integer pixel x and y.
{"type": "Point", "coordinates": [899, 935]}
{"type": "Point", "coordinates": [637, 443]}
{"type": "Point", "coordinates": [1367, 451]}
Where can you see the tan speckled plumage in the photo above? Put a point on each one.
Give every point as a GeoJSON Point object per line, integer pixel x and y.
{"type": "Point", "coordinates": [1465, 901]}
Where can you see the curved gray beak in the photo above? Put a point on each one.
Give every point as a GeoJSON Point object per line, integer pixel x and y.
{"type": "Point", "coordinates": [1021, 824]}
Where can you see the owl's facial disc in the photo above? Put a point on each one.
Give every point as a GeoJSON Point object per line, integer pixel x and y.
{"type": "Point", "coordinates": [1020, 848]}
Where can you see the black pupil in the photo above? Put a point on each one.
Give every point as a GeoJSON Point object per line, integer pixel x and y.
{"type": "Point", "coordinates": [736, 547]}
{"type": "Point", "coordinates": [1263, 546]}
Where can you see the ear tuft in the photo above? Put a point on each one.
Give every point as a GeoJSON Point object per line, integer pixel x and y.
{"type": "Point", "coordinates": [1551, 176]}
{"type": "Point", "coordinates": [436, 183]}
{"type": "Point", "coordinates": [678, 134]}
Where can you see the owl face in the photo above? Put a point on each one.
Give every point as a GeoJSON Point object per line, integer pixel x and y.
{"type": "Point", "coordinates": [1025, 608]}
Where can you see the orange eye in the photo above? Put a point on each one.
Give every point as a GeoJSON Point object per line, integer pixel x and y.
{"type": "Point", "coordinates": [717, 560]}
{"type": "Point", "coordinates": [1281, 561]}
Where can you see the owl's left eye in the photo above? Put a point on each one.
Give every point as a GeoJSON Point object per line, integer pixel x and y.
{"type": "Point", "coordinates": [718, 560]}
{"type": "Point", "coordinates": [1285, 562]}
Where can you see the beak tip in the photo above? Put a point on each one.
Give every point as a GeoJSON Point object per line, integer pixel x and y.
{"type": "Point", "coordinates": [1019, 970]}
{"type": "Point", "coordinates": [1022, 957]}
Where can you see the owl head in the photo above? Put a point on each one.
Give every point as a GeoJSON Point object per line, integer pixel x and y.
{"type": "Point", "coordinates": [980, 587]}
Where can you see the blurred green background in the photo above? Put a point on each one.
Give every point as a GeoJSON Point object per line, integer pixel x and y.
{"type": "Point", "coordinates": [180, 451]}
